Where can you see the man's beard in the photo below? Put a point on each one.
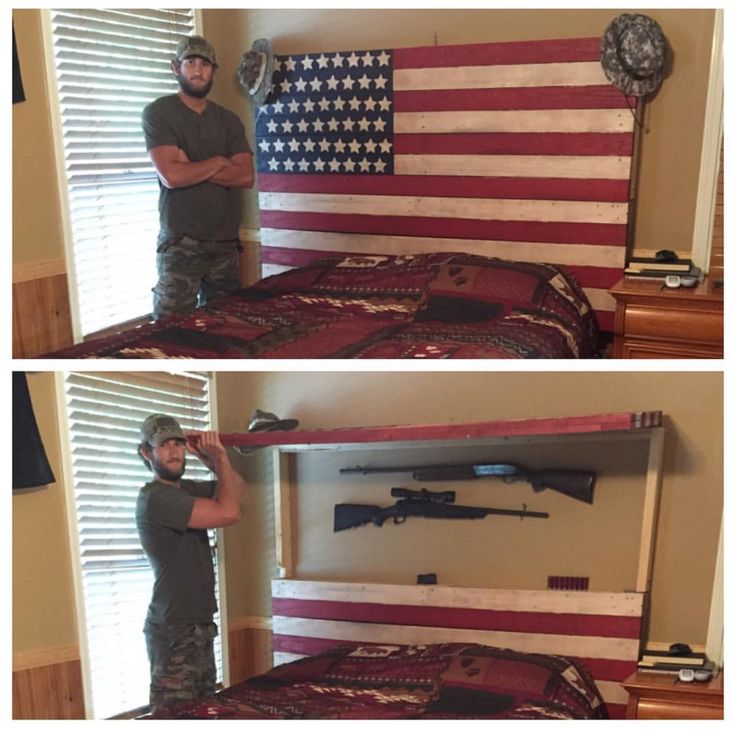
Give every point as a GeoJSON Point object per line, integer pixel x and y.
{"type": "Point", "coordinates": [166, 472]}
{"type": "Point", "coordinates": [197, 93]}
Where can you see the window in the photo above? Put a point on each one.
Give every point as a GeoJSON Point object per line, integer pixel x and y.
{"type": "Point", "coordinates": [114, 580]}
{"type": "Point", "coordinates": [108, 65]}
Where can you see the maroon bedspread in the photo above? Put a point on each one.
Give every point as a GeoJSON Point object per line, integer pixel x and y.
{"type": "Point", "coordinates": [421, 681]}
{"type": "Point", "coordinates": [424, 306]}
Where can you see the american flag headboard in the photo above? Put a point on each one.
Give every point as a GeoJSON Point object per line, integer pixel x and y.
{"type": "Point", "coordinates": [603, 629]}
{"type": "Point", "coordinates": [518, 150]}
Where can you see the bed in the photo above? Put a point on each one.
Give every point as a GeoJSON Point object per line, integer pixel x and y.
{"type": "Point", "coordinates": [437, 305]}
{"type": "Point", "coordinates": [369, 650]}
{"type": "Point", "coordinates": [437, 681]}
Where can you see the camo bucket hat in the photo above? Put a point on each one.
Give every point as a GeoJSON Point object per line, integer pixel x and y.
{"type": "Point", "coordinates": [633, 54]}
{"type": "Point", "coordinates": [256, 70]}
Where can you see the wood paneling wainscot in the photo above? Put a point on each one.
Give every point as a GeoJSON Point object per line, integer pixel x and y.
{"type": "Point", "coordinates": [48, 684]}
{"type": "Point", "coordinates": [249, 647]}
{"type": "Point", "coordinates": [42, 318]}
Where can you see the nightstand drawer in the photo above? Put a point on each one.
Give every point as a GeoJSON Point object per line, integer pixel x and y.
{"type": "Point", "coordinates": [690, 325]}
{"type": "Point", "coordinates": [666, 710]}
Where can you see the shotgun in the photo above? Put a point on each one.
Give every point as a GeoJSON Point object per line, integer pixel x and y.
{"type": "Point", "coordinates": [577, 484]}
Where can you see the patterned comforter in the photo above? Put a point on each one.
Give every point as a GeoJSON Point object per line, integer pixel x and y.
{"type": "Point", "coordinates": [420, 681]}
{"type": "Point", "coordinates": [423, 306]}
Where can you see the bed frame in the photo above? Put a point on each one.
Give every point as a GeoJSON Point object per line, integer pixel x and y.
{"type": "Point", "coordinates": [518, 150]}
{"type": "Point", "coordinates": [603, 630]}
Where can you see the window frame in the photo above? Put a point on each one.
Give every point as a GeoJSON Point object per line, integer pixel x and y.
{"type": "Point", "coordinates": [60, 169]}
{"type": "Point", "coordinates": [67, 474]}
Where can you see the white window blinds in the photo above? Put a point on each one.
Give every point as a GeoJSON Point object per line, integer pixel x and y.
{"type": "Point", "coordinates": [109, 65]}
{"type": "Point", "coordinates": [104, 413]}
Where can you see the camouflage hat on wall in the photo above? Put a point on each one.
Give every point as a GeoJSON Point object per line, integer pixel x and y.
{"type": "Point", "coordinates": [633, 54]}
{"type": "Point", "coordinates": [195, 46]}
{"type": "Point", "coordinates": [255, 70]}
{"type": "Point", "coordinates": [157, 428]}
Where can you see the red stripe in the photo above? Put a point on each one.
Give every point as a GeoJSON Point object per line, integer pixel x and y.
{"type": "Point", "coordinates": [461, 228]}
{"type": "Point", "coordinates": [595, 277]}
{"type": "Point", "coordinates": [605, 320]}
{"type": "Point", "coordinates": [403, 433]}
{"type": "Point", "coordinates": [521, 143]}
{"type": "Point", "coordinates": [483, 54]}
{"type": "Point", "coordinates": [612, 191]}
{"type": "Point", "coordinates": [613, 670]}
{"type": "Point", "coordinates": [541, 97]}
{"type": "Point", "coordinates": [281, 256]}
{"type": "Point", "coordinates": [297, 645]}
{"type": "Point", "coordinates": [462, 618]}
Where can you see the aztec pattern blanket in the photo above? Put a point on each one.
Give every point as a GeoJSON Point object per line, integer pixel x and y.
{"type": "Point", "coordinates": [421, 681]}
{"type": "Point", "coordinates": [420, 306]}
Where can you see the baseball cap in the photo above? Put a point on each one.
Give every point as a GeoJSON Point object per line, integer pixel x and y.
{"type": "Point", "coordinates": [157, 428]}
{"type": "Point", "coordinates": [195, 46]}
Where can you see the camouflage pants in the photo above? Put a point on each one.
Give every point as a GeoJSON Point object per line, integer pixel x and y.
{"type": "Point", "coordinates": [192, 272]}
{"type": "Point", "coordinates": [182, 661]}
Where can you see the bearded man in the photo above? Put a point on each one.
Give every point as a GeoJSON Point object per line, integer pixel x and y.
{"type": "Point", "coordinates": [172, 516]}
{"type": "Point", "coordinates": [202, 158]}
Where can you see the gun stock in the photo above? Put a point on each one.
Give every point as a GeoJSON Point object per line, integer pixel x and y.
{"type": "Point", "coordinates": [348, 515]}
{"type": "Point", "coordinates": [577, 484]}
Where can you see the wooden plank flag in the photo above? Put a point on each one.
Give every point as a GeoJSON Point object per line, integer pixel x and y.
{"type": "Point", "coordinates": [600, 628]}
{"type": "Point", "coordinates": [516, 150]}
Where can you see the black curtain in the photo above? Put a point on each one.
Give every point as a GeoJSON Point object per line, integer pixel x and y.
{"type": "Point", "coordinates": [18, 93]}
{"type": "Point", "coordinates": [30, 465]}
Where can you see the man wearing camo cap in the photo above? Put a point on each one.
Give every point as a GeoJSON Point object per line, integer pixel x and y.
{"type": "Point", "coordinates": [173, 515]}
{"type": "Point", "coordinates": [202, 158]}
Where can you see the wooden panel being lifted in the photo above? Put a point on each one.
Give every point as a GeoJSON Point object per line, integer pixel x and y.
{"type": "Point", "coordinates": [540, 427]}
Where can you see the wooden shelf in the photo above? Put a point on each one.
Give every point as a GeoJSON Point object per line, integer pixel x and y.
{"type": "Point", "coordinates": [466, 434]}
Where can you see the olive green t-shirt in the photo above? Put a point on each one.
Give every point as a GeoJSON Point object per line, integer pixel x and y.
{"type": "Point", "coordinates": [184, 577]}
{"type": "Point", "coordinates": [206, 211]}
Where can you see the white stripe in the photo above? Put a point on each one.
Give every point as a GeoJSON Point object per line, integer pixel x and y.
{"type": "Point", "coordinates": [608, 648]}
{"type": "Point", "coordinates": [281, 658]}
{"type": "Point", "coordinates": [624, 604]}
{"type": "Point", "coordinates": [523, 120]}
{"type": "Point", "coordinates": [575, 73]}
{"type": "Point", "coordinates": [612, 692]}
{"type": "Point", "coordinates": [481, 209]}
{"type": "Point", "coordinates": [538, 252]}
{"type": "Point", "coordinates": [516, 166]}
{"type": "Point", "coordinates": [600, 299]}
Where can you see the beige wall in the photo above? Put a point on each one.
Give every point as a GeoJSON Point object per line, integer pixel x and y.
{"type": "Point", "coordinates": [44, 612]}
{"type": "Point", "coordinates": [671, 142]}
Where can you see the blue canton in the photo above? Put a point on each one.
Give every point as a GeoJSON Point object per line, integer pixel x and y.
{"type": "Point", "coordinates": [328, 113]}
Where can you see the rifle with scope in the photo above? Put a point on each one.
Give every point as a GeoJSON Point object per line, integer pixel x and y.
{"type": "Point", "coordinates": [417, 503]}
{"type": "Point", "coordinates": [577, 484]}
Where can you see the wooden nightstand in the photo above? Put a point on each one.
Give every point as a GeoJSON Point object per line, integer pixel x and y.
{"type": "Point", "coordinates": [652, 322]}
{"type": "Point", "coordinates": [663, 696]}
